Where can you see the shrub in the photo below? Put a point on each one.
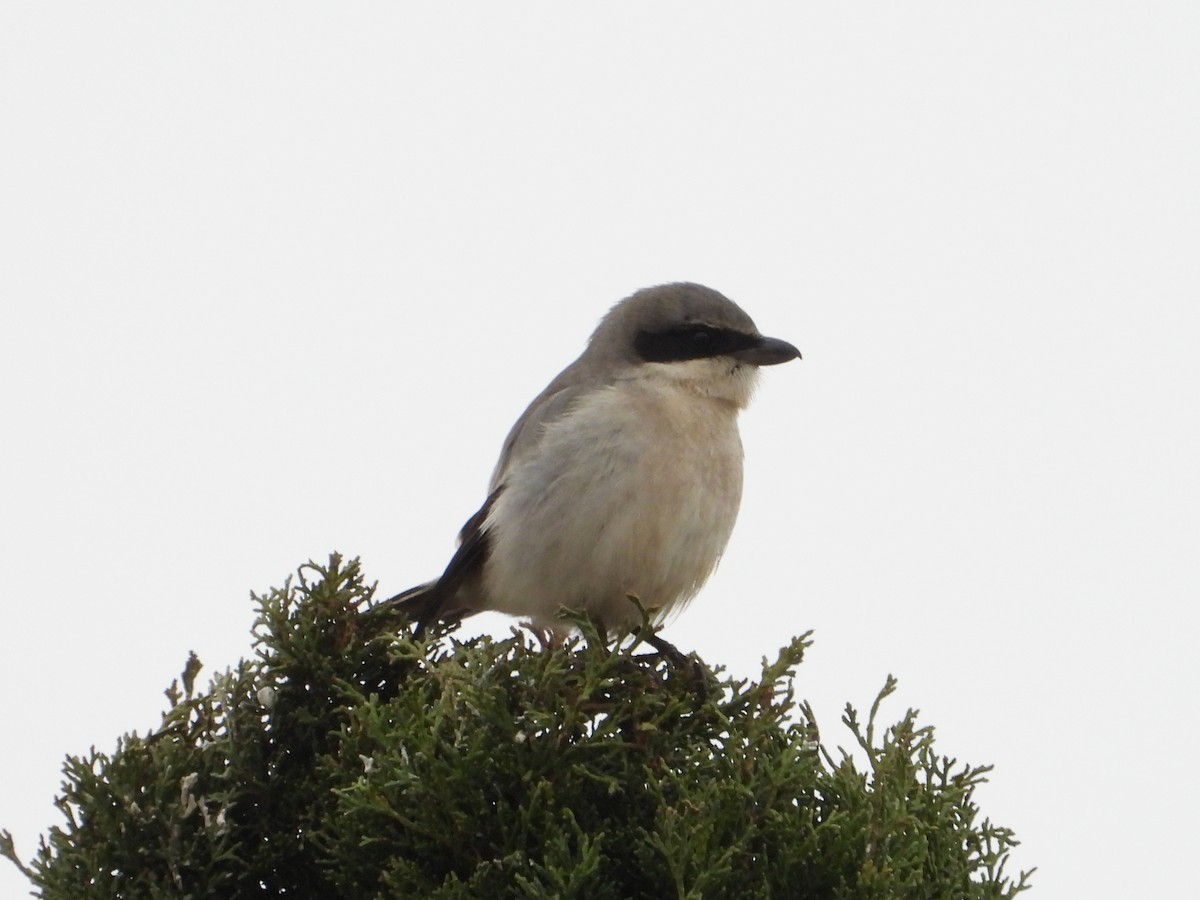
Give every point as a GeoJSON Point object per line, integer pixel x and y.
{"type": "Point", "coordinates": [349, 759]}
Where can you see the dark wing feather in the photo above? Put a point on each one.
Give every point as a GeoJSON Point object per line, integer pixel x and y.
{"type": "Point", "coordinates": [435, 601]}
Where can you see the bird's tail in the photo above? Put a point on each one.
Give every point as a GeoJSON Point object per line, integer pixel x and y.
{"type": "Point", "coordinates": [425, 604]}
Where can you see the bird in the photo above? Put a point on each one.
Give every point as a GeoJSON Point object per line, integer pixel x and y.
{"type": "Point", "coordinates": [622, 479]}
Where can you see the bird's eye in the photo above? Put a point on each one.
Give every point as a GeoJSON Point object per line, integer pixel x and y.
{"type": "Point", "coordinates": [686, 342]}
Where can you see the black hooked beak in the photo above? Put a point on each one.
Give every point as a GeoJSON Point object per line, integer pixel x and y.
{"type": "Point", "coordinates": [767, 351]}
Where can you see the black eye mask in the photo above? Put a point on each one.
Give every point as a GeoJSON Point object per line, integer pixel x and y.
{"type": "Point", "coordinates": [692, 342]}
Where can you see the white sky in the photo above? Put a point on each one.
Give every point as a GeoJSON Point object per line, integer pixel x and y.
{"type": "Point", "coordinates": [276, 278]}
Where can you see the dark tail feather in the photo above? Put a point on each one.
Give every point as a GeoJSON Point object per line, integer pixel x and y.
{"type": "Point", "coordinates": [426, 604]}
{"type": "Point", "coordinates": [420, 604]}
{"type": "Point", "coordinates": [439, 601]}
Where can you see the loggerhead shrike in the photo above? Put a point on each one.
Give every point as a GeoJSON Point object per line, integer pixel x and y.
{"type": "Point", "coordinates": [623, 477]}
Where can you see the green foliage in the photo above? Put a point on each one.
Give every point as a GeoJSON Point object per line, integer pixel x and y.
{"type": "Point", "coordinates": [350, 760]}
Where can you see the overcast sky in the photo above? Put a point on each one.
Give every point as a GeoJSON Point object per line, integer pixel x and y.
{"type": "Point", "coordinates": [277, 278]}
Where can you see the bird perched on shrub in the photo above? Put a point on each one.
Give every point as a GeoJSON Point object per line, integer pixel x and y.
{"type": "Point", "coordinates": [622, 478]}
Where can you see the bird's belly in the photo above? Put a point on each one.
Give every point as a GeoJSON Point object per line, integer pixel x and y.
{"type": "Point", "coordinates": [607, 512]}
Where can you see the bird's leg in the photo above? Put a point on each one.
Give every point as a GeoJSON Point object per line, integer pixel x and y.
{"type": "Point", "coordinates": [665, 648]}
{"type": "Point", "coordinates": [548, 638]}
{"type": "Point", "coordinates": [543, 636]}
{"type": "Point", "coordinates": [678, 660]}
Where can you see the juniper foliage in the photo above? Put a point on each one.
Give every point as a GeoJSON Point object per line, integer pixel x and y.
{"type": "Point", "coordinates": [349, 759]}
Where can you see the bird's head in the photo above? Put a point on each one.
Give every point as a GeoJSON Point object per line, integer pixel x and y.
{"type": "Point", "coordinates": [689, 334]}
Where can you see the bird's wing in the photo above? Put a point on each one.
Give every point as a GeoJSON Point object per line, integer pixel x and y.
{"type": "Point", "coordinates": [550, 405]}
{"type": "Point", "coordinates": [439, 600]}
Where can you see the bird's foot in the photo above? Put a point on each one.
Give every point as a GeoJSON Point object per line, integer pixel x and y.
{"type": "Point", "coordinates": [690, 667]}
